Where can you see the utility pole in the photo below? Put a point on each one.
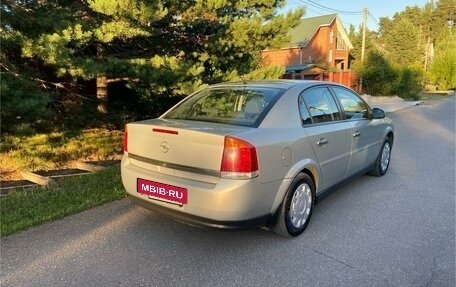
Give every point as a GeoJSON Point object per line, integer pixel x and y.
{"type": "Point", "coordinates": [363, 45]}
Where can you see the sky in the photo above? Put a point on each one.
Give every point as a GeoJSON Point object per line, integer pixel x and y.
{"type": "Point", "coordinates": [350, 11]}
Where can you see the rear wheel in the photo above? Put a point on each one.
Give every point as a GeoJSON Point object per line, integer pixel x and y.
{"type": "Point", "coordinates": [296, 209]}
{"type": "Point", "coordinates": [383, 159]}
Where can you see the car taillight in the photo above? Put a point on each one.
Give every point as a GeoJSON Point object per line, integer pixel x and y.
{"type": "Point", "coordinates": [239, 160]}
{"type": "Point", "coordinates": [125, 140]}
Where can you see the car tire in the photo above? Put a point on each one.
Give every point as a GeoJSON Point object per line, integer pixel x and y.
{"type": "Point", "coordinates": [296, 208]}
{"type": "Point", "coordinates": [383, 160]}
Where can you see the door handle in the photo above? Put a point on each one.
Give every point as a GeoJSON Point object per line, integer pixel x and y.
{"type": "Point", "coordinates": [322, 142]}
{"type": "Point", "coordinates": [356, 134]}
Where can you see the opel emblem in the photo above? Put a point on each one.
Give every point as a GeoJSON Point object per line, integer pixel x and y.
{"type": "Point", "coordinates": [164, 147]}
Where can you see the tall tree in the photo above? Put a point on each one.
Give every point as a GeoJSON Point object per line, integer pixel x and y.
{"type": "Point", "coordinates": [423, 27]}
{"type": "Point", "coordinates": [171, 45]}
{"type": "Point", "coordinates": [356, 39]}
{"type": "Point", "coordinates": [27, 86]}
{"type": "Point", "coordinates": [443, 65]}
{"type": "Point", "coordinates": [408, 43]}
{"type": "Point", "coordinates": [401, 43]}
{"type": "Point", "coordinates": [443, 18]}
{"type": "Point", "coordinates": [160, 47]}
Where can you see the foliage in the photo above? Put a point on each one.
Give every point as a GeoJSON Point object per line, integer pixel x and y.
{"type": "Point", "coordinates": [407, 83]}
{"type": "Point", "coordinates": [23, 209]}
{"type": "Point", "coordinates": [23, 104]}
{"type": "Point", "coordinates": [443, 19]}
{"type": "Point", "coordinates": [380, 78]}
{"type": "Point", "coordinates": [404, 46]}
{"type": "Point", "coordinates": [377, 74]}
{"type": "Point", "coordinates": [18, 108]}
{"type": "Point", "coordinates": [443, 67]}
{"type": "Point", "coordinates": [156, 47]}
{"type": "Point", "coordinates": [409, 36]}
{"type": "Point", "coordinates": [356, 38]}
{"type": "Point", "coordinates": [401, 43]}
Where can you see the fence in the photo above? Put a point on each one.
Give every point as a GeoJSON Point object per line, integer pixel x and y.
{"type": "Point", "coordinates": [346, 78]}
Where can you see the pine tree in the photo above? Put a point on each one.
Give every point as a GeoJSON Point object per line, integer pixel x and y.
{"type": "Point", "coordinates": [156, 47]}
{"type": "Point", "coordinates": [401, 43]}
{"type": "Point", "coordinates": [401, 37]}
{"type": "Point", "coordinates": [356, 39]}
{"type": "Point", "coordinates": [27, 86]}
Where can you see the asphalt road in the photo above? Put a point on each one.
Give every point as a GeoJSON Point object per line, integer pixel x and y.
{"type": "Point", "coordinates": [398, 230]}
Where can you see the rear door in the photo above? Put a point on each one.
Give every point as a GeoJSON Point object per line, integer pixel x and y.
{"type": "Point", "coordinates": [330, 137]}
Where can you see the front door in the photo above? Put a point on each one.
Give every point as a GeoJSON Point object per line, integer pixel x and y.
{"type": "Point", "coordinates": [366, 138]}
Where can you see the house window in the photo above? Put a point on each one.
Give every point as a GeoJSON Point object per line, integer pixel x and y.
{"type": "Point", "coordinates": [331, 36]}
{"type": "Point", "coordinates": [330, 56]}
{"type": "Point", "coordinates": [340, 64]}
{"type": "Point", "coordinates": [340, 43]}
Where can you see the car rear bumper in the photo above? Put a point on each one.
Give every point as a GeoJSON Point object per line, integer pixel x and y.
{"type": "Point", "coordinates": [202, 221]}
{"type": "Point", "coordinates": [221, 203]}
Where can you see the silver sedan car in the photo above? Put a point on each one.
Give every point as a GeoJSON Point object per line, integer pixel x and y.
{"type": "Point", "coordinates": [238, 155]}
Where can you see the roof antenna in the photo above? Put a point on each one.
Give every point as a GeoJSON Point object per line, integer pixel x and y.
{"type": "Point", "coordinates": [243, 81]}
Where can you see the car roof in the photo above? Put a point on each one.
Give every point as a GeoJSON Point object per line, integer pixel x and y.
{"type": "Point", "coordinates": [278, 84]}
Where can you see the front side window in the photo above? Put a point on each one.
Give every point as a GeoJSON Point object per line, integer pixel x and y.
{"type": "Point", "coordinates": [237, 105]}
{"type": "Point", "coordinates": [354, 108]}
{"type": "Point", "coordinates": [318, 106]}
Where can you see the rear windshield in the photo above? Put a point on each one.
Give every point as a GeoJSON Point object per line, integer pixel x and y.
{"type": "Point", "coordinates": [244, 106]}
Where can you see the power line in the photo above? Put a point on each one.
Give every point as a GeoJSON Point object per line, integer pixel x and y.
{"type": "Point", "coordinates": [320, 13]}
{"type": "Point", "coordinates": [324, 8]}
{"type": "Point", "coordinates": [331, 9]}
{"type": "Point", "coordinates": [300, 2]}
{"type": "Point", "coordinates": [372, 17]}
{"type": "Point", "coordinates": [315, 11]}
{"type": "Point", "coordinates": [327, 9]}
{"type": "Point", "coordinates": [315, 5]}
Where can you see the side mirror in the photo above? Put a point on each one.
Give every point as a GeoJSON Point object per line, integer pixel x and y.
{"type": "Point", "coordinates": [378, 113]}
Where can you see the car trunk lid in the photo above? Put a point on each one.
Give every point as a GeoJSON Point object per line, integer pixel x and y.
{"type": "Point", "coordinates": [188, 149]}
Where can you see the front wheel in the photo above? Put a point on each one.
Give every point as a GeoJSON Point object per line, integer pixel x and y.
{"type": "Point", "coordinates": [296, 209]}
{"type": "Point", "coordinates": [383, 159]}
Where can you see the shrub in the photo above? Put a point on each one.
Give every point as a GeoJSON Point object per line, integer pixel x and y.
{"type": "Point", "coordinates": [407, 84]}
{"type": "Point", "coordinates": [377, 74]}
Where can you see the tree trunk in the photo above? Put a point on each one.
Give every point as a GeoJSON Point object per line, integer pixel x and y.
{"type": "Point", "coordinates": [102, 86]}
{"type": "Point", "coordinates": [102, 95]}
{"type": "Point", "coordinates": [426, 54]}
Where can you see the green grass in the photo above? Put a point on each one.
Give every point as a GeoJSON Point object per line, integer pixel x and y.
{"type": "Point", "coordinates": [434, 96]}
{"type": "Point", "coordinates": [56, 150]}
{"type": "Point", "coordinates": [20, 210]}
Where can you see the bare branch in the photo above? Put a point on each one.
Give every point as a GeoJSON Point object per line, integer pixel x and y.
{"type": "Point", "coordinates": [122, 79]}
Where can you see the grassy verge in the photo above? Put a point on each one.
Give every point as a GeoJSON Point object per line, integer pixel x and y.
{"type": "Point", "coordinates": [56, 150]}
{"type": "Point", "coordinates": [23, 209]}
{"type": "Point", "coordinates": [435, 96]}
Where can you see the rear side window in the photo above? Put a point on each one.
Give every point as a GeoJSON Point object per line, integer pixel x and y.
{"type": "Point", "coordinates": [354, 108]}
{"type": "Point", "coordinates": [318, 106]}
{"type": "Point", "coordinates": [238, 105]}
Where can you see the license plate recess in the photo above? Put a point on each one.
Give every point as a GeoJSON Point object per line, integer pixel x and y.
{"type": "Point", "coordinates": [161, 191]}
